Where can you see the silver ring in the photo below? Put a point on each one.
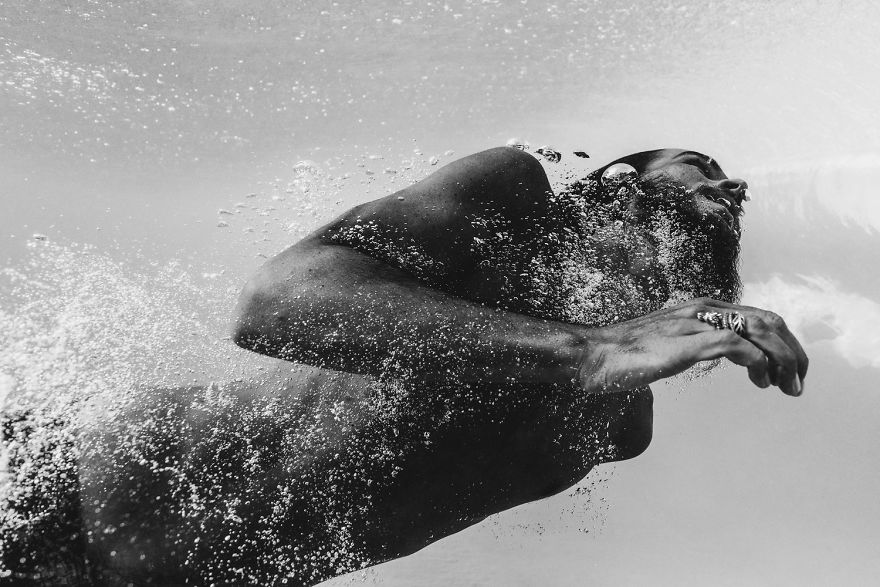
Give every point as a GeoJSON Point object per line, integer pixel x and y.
{"type": "Point", "coordinates": [736, 322]}
{"type": "Point", "coordinates": [728, 320]}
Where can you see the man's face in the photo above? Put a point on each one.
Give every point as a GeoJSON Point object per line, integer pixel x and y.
{"type": "Point", "coordinates": [692, 210]}
{"type": "Point", "coordinates": [714, 196]}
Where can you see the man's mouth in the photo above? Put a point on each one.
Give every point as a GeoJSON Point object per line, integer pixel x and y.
{"type": "Point", "coordinates": [726, 209]}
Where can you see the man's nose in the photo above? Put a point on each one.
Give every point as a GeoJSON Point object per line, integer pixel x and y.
{"type": "Point", "coordinates": [736, 187]}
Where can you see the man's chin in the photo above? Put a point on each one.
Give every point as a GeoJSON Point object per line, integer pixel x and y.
{"type": "Point", "coordinates": [698, 250]}
{"type": "Point", "coordinates": [697, 258]}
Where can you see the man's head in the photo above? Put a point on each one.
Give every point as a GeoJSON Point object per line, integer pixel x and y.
{"type": "Point", "coordinates": [689, 212]}
{"type": "Point", "coordinates": [713, 195]}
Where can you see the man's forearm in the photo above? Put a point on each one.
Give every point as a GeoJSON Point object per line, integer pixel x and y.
{"type": "Point", "coordinates": [335, 307]}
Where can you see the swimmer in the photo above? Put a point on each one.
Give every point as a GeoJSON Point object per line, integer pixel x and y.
{"type": "Point", "coordinates": [468, 344]}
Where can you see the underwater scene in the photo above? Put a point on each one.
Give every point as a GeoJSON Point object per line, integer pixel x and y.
{"type": "Point", "coordinates": [156, 155]}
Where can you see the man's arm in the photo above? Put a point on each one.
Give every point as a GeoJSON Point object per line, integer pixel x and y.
{"type": "Point", "coordinates": [329, 305]}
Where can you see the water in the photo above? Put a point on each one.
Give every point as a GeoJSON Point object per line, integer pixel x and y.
{"type": "Point", "coordinates": [130, 130]}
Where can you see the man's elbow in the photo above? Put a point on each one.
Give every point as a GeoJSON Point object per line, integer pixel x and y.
{"type": "Point", "coordinates": [243, 334]}
{"type": "Point", "coordinates": [248, 327]}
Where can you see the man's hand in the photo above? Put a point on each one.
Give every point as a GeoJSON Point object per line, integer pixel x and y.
{"type": "Point", "coordinates": [664, 343]}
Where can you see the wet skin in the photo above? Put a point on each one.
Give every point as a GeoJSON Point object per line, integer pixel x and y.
{"type": "Point", "coordinates": [521, 448]}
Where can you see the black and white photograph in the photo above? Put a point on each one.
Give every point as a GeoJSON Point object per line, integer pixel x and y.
{"type": "Point", "coordinates": [439, 292]}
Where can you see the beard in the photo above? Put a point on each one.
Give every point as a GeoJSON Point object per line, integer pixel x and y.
{"type": "Point", "coordinates": [635, 251]}
{"type": "Point", "coordinates": [697, 254]}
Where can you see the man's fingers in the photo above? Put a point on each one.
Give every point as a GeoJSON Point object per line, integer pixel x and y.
{"type": "Point", "coordinates": [774, 322]}
{"type": "Point", "coordinates": [802, 362]}
{"type": "Point", "coordinates": [759, 324]}
{"type": "Point", "coordinates": [714, 344]}
{"type": "Point", "coordinates": [781, 357]}
{"type": "Point", "coordinates": [767, 348]}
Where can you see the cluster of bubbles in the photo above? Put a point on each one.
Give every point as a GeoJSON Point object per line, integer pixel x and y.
{"type": "Point", "coordinates": [314, 190]}
{"type": "Point", "coordinates": [547, 152]}
{"type": "Point", "coordinates": [107, 417]}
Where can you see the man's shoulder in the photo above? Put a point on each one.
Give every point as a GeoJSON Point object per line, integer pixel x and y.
{"type": "Point", "coordinates": [508, 155]}
{"type": "Point", "coordinates": [500, 178]}
{"type": "Point", "coordinates": [508, 162]}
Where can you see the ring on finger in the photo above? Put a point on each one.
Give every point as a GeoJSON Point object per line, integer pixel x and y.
{"type": "Point", "coordinates": [727, 320]}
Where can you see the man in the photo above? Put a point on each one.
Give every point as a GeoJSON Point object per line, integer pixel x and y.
{"type": "Point", "coordinates": [468, 291]}
{"type": "Point", "coordinates": [477, 341]}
